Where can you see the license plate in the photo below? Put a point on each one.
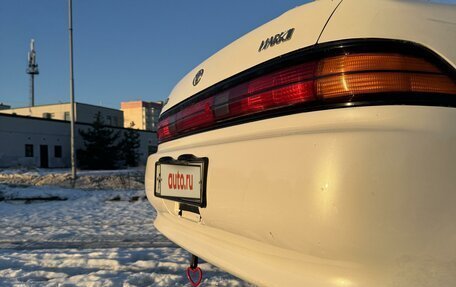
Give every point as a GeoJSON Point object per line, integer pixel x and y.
{"type": "Point", "coordinates": [182, 180]}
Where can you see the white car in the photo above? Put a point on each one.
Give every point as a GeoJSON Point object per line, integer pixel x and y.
{"type": "Point", "coordinates": [319, 149]}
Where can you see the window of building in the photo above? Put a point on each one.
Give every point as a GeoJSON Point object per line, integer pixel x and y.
{"type": "Point", "coordinates": [28, 150]}
{"type": "Point", "coordinates": [58, 151]}
{"type": "Point", "coordinates": [47, 115]}
{"type": "Point", "coordinates": [109, 120]}
{"type": "Point", "coordinates": [116, 121]}
{"type": "Point", "coordinates": [66, 116]}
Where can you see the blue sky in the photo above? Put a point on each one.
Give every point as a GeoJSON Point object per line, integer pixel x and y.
{"type": "Point", "coordinates": [123, 50]}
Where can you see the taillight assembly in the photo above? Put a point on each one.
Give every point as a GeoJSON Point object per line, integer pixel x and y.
{"type": "Point", "coordinates": [359, 74]}
{"type": "Point", "coordinates": [341, 78]}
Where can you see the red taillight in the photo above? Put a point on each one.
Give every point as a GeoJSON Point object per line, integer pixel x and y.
{"type": "Point", "coordinates": [282, 77]}
{"type": "Point", "coordinates": [163, 131]}
{"type": "Point", "coordinates": [281, 88]}
{"type": "Point", "coordinates": [339, 77]}
{"type": "Point", "coordinates": [273, 99]}
{"type": "Point", "coordinates": [198, 115]}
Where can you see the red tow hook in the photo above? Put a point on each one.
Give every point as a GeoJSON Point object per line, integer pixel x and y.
{"type": "Point", "coordinates": [194, 272]}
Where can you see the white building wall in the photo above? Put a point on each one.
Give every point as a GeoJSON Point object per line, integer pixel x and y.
{"type": "Point", "coordinates": [17, 131]}
{"type": "Point", "coordinates": [111, 117]}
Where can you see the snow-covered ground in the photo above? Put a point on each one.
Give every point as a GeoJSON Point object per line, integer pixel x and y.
{"type": "Point", "coordinates": [102, 179]}
{"type": "Point", "coordinates": [89, 238]}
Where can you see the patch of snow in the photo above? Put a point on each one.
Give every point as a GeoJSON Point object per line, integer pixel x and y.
{"type": "Point", "coordinates": [98, 179]}
{"type": "Point", "coordinates": [90, 240]}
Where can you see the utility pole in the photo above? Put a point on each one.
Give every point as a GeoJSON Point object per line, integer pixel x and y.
{"type": "Point", "coordinates": [32, 70]}
{"type": "Point", "coordinates": [72, 110]}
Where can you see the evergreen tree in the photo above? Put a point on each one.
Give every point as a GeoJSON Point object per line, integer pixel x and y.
{"type": "Point", "coordinates": [129, 146]}
{"type": "Point", "coordinates": [101, 150]}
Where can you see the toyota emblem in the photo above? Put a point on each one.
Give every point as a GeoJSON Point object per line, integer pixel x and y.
{"type": "Point", "coordinates": [198, 77]}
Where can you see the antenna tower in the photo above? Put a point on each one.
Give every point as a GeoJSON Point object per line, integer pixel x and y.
{"type": "Point", "coordinates": [32, 70]}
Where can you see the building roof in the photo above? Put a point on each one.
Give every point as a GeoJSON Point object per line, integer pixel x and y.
{"type": "Point", "coordinates": [64, 103]}
{"type": "Point", "coordinates": [63, 121]}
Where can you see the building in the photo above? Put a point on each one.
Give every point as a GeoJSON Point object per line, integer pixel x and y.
{"type": "Point", "coordinates": [4, 107]}
{"type": "Point", "coordinates": [43, 142]}
{"type": "Point", "coordinates": [84, 113]}
{"type": "Point", "coordinates": [144, 115]}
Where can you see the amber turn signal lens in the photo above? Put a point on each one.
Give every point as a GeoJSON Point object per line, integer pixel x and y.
{"type": "Point", "coordinates": [356, 74]}
{"type": "Point", "coordinates": [373, 62]}
{"type": "Point", "coordinates": [369, 83]}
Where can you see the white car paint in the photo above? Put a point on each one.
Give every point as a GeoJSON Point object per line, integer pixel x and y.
{"type": "Point", "coordinates": [308, 21]}
{"type": "Point", "coordinates": [432, 25]}
{"type": "Point", "coordinates": [360, 196]}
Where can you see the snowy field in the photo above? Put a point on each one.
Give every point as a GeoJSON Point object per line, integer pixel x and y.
{"type": "Point", "coordinates": [89, 238]}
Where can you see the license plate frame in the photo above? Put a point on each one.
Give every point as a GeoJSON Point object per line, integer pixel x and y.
{"type": "Point", "coordinates": [173, 179]}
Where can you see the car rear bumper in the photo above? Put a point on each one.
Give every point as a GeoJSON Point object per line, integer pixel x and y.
{"type": "Point", "coordinates": [359, 196]}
